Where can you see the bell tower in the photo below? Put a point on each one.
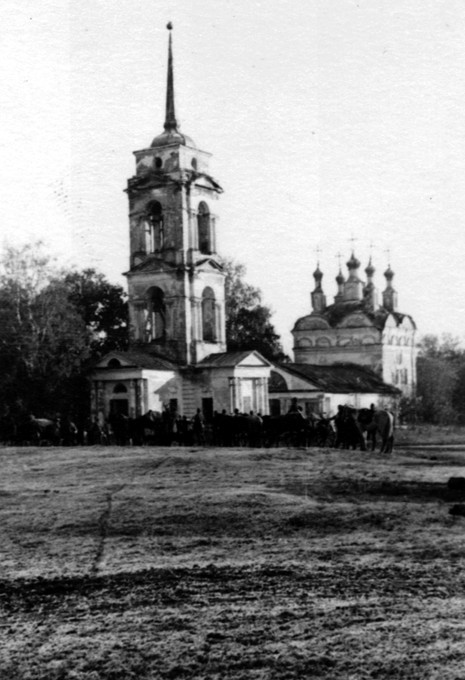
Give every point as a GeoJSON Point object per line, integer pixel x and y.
{"type": "Point", "coordinates": [175, 277]}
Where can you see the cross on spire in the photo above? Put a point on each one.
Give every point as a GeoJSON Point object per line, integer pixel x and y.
{"type": "Point", "coordinates": [352, 240]}
{"type": "Point", "coordinates": [318, 252]}
{"type": "Point", "coordinates": [171, 124]}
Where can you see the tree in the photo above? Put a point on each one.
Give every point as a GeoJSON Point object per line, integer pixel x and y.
{"type": "Point", "coordinates": [436, 382]}
{"type": "Point", "coordinates": [440, 373]}
{"type": "Point", "coordinates": [103, 307]}
{"type": "Point", "coordinates": [53, 324]}
{"type": "Point", "coordinates": [248, 321]}
{"type": "Point", "coordinates": [447, 347]}
{"type": "Point", "coordinates": [43, 339]}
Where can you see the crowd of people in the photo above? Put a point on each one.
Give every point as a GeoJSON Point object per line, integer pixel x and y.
{"type": "Point", "coordinates": [346, 429]}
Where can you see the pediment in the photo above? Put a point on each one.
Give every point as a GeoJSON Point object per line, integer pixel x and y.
{"type": "Point", "coordinates": [151, 264]}
{"type": "Point", "coordinates": [208, 264]}
{"type": "Point", "coordinates": [207, 182]}
{"type": "Point", "coordinates": [235, 359]}
{"type": "Point", "coordinates": [253, 359]}
{"type": "Point", "coordinates": [114, 360]}
{"type": "Point", "coordinates": [407, 324]}
{"type": "Point", "coordinates": [135, 359]}
{"type": "Point", "coordinates": [390, 322]}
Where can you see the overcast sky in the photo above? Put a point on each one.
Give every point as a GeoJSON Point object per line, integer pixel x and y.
{"type": "Point", "coordinates": [326, 120]}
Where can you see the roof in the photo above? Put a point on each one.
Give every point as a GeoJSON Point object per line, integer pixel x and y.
{"type": "Point", "coordinates": [224, 359]}
{"type": "Point", "coordinates": [138, 359]}
{"type": "Point", "coordinates": [170, 137]}
{"type": "Point", "coordinates": [337, 312]}
{"type": "Point", "coordinates": [340, 378]}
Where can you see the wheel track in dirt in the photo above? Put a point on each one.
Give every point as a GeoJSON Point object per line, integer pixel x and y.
{"type": "Point", "coordinates": [104, 521]}
{"type": "Point", "coordinates": [103, 524]}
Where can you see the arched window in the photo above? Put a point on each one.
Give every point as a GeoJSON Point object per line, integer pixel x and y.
{"type": "Point", "coordinates": [277, 383]}
{"type": "Point", "coordinates": [114, 363]}
{"type": "Point", "coordinates": [155, 315]}
{"type": "Point", "coordinates": [204, 229]}
{"type": "Point", "coordinates": [120, 389]}
{"type": "Point", "coordinates": [208, 315]}
{"type": "Point", "coordinates": [155, 235]}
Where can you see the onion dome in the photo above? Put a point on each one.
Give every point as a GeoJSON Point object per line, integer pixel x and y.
{"type": "Point", "coordinates": [370, 270]}
{"type": "Point", "coordinates": [171, 135]}
{"type": "Point", "coordinates": [340, 279]}
{"type": "Point", "coordinates": [389, 274]}
{"type": "Point", "coordinates": [318, 274]}
{"type": "Point", "coordinates": [353, 263]}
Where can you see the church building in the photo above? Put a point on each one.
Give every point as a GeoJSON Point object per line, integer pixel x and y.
{"type": "Point", "coordinates": [177, 354]}
{"type": "Point", "coordinates": [359, 350]}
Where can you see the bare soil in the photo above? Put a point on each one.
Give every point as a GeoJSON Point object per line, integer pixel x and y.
{"type": "Point", "coordinates": [177, 563]}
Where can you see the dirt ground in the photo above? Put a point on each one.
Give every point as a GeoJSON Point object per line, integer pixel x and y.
{"type": "Point", "coordinates": [238, 563]}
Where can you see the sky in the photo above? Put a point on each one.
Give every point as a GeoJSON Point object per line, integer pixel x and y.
{"type": "Point", "coordinates": [333, 124]}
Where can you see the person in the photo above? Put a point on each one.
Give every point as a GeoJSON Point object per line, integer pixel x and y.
{"type": "Point", "coordinates": [293, 408]}
{"type": "Point", "coordinates": [339, 425]}
{"type": "Point", "coordinates": [199, 428]}
{"type": "Point", "coordinates": [255, 427]}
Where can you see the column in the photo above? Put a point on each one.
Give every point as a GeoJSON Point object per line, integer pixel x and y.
{"type": "Point", "coordinates": [100, 399]}
{"type": "Point", "coordinates": [138, 397]}
{"type": "Point", "coordinates": [232, 394]}
{"type": "Point", "coordinates": [145, 396]}
{"type": "Point", "coordinates": [235, 393]}
{"type": "Point", "coordinates": [198, 317]}
{"type": "Point", "coordinates": [169, 310]}
{"type": "Point", "coordinates": [218, 337]}
{"type": "Point", "coordinates": [212, 233]}
{"type": "Point", "coordinates": [93, 400]}
{"type": "Point", "coordinates": [239, 393]}
{"type": "Point", "coordinates": [264, 407]}
{"type": "Point", "coordinates": [256, 394]}
{"type": "Point", "coordinates": [132, 399]}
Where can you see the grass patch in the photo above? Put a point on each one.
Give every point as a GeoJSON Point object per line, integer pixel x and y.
{"type": "Point", "coordinates": [170, 563]}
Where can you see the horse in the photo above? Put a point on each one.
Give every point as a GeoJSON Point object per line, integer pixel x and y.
{"type": "Point", "coordinates": [290, 429]}
{"type": "Point", "coordinates": [323, 432]}
{"type": "Point", "coordinates": [378, 422]}
{"type": "Point", "coordinates": [68, 432]}
{"type": "Point", "coordinates": [349, 432]}
{"type": "Point", "coordinates": [42, 431]}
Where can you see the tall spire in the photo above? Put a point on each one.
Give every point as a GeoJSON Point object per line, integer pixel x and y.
{"type": "Point", "coordinates": [171, 134]}
{"type": "Point", "coordinates": [171, 124]}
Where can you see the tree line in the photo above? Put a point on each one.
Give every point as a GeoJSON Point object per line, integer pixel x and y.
{"type": "Point", "coordinates": [440, 382]}
{"type": "Point", "coordinates": [55, 323]}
